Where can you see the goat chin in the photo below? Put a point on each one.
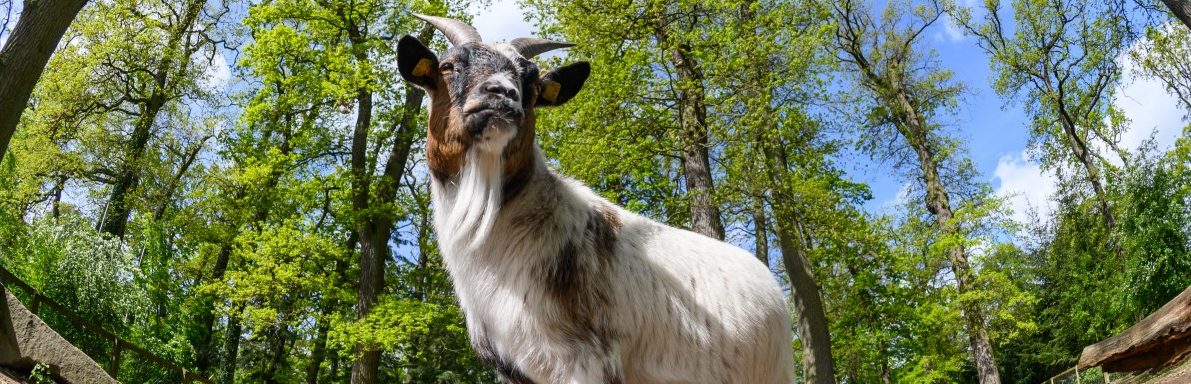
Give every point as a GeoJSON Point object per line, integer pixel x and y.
{"type": "Point", "coordinates": [465, 211]}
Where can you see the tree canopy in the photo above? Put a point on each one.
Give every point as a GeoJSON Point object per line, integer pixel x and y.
{"type": "Point", "coordinates": [241, 188]}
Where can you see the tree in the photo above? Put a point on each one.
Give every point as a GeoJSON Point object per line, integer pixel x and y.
{"type": "Point", "coordinates": [151, 83]}
{"type": "Point", "coordinates": [25, 55]}
{"type": "Point", "coordinates": [908, 93]}
{"type": "Point", "coordinates": [349, 36]}
{"type": "Point", "coordinates": [1063, 55]}
{"type": "Point", "coordinates": [674, 31]}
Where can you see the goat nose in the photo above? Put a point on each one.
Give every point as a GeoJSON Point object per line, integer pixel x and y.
{"type": "Point", "coordinates": [496, 88]}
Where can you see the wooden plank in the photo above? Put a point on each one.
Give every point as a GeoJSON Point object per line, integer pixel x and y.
{"type": "Point", "coordinates": [9, 278]}
{"type": "Point", "coordinates": [1159, 340]}
{"type": "Point", "coordinates": [75, 318]}
{"type": "Point", "coordinates": [140, 352]}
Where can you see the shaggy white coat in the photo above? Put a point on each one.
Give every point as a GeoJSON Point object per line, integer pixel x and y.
{"type": "Point", "coordinates": [675, 306]}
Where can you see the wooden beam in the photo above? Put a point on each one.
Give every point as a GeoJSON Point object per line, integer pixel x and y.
{"type": "Point", "coordinates": [1159, 340]}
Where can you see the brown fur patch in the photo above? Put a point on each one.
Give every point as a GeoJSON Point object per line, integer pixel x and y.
{"type": "Point", "coordinates": [446, 142]}
{"type": "Point", "coordinates": [578, 280]}
{"type": "Point", "coordinates": [519, 156]}
{"type": "Point", "coordinates": [604, 225]}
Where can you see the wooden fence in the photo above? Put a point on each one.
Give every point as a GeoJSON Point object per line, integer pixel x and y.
{"type": "Point", "coordinates": [119, 345]}
{"type": "Point", "coordinates": [1074, 375]}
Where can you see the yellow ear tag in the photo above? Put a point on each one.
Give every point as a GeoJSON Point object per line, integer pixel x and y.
{"type": "Point", "coordinates": [422, 67]}
{"type": "Point", "coordinates": [550, 92]}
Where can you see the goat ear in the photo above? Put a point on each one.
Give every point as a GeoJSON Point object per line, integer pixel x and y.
{"type": "Point", "coordinates": [562, 84]}
{"type": "Point", "coordinates": [417, 63]}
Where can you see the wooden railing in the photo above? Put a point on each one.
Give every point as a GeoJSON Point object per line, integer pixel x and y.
{"type": "Point", "coordinates": [119, 345]}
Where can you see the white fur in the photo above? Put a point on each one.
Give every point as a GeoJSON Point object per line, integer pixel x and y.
{"type": "Point", "coordinates": [465, 211]}
{"type": "Point", "coordinates": [681, 307]}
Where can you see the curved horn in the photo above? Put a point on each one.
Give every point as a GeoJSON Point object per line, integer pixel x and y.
{"type": "Point", "coordinates": [457, 32]}
{"type": "Point", "coordinates": [532, 46]}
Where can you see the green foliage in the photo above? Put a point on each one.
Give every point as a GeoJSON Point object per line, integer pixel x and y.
{"type": "Point", "coordinates": [268, 188]}
{"type": "Point", "coordinates": [41, 374]}
{"type": "Point", "coordinates": [1154, 231]}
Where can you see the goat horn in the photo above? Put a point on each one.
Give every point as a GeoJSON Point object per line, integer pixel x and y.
{"type": "Point", "coordinates": [532, 46]}
{"type": "Point", "coordinates": [457, 32]}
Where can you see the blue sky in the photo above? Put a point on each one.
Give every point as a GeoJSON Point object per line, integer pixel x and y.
{"type": "Point", "coordinates": [995, 131]}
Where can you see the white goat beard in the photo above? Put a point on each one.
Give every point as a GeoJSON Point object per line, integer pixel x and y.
{"type": "Point", "coordinates": [469, 211]}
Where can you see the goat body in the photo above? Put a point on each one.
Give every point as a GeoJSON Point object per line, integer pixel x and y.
{"type": "Point", "coordinates": [559, 285]}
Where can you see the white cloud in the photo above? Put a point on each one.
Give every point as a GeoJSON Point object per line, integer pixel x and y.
{"type": "Point", "coordinates": [951, 30]}
{"type": "Point", "coordinates": [1025, 186]}
{"type": "Point", "coordinates": [217, 75]}
{"type": "Point", "coordinates": [502, 21]}
{"type": "Point", "coordinates": [901, 198]}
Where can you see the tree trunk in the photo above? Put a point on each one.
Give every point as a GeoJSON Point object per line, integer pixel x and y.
{"type": "Point", "coordinates": [760, 231]}
{"type": "Point", "coordinates": [813, 328]}
{"type": "Point", "coordinates": [115, 214]}
{"type": "Point", "coordinates": [1083, 154]}
{"type": "Point", "coordinates": [59, 187]}
{"type": "Point", "coordinates": [774, 173]}
{"type": "Point", "coordinates": [938, 202]}
{"type": "Point", "coordinates": [318, 353]}
{"type": "Point", "coordinates": [692, 117]}
{"type": "Point", "coordinates": [335, 370]}
{"type": "Point", "coordinates": [115, 217]}
{"type": "Point", "coordinates": [278, 343]}
{"type": "Point", "coordinates": [231, 346]}
{"type": "Point", "coordinates": [886, 374]}
{"type": "Point", "coordinates": [204, 345]}
{"type": "Point", "coordinates": [26, 52]}
{"type": "Point", "coordinates": [375, 229]}
{"type": "Point", "coordinates": [1180, 8]}
{"type": "Point", "coordinates": [372, 248]}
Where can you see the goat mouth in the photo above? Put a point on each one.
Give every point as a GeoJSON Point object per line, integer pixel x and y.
{"type": "Point", "coordinates": [481, 118]}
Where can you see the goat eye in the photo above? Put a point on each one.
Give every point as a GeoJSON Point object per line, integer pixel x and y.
{"type": "Point", "coordinates": [446, 68]}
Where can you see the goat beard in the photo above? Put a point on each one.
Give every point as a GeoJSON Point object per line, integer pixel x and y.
{"type": "Point", "coordinates": [468, 212]}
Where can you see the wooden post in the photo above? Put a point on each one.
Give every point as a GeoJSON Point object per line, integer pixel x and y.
{"type": "Point", "coordinates": [115, 363]}
{"type": "Point", "coordinates": [1107, 380]}
{"type": "Point", "coordinates": [35, 304]}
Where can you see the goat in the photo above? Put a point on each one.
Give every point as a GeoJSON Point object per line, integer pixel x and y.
{"type": "Point", "coordinates": [557, 284]}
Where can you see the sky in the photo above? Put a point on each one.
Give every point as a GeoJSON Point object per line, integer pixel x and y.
{"type": "Point", "coordinates": [995, 131]}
